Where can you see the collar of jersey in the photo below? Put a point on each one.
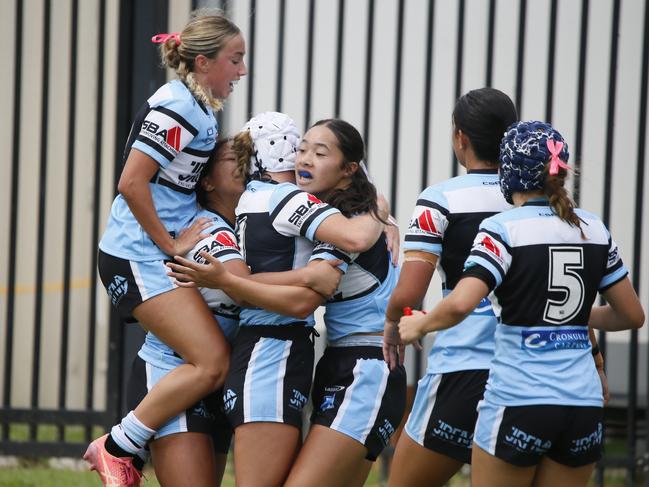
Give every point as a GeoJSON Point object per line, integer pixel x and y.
{"type": "Point", "coordinates": [542, 201]}
{"type": "Point", "coordinates": [483, 171]}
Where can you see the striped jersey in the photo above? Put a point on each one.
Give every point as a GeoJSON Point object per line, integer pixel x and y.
{"type": "Point", "coordinates": [222, 244]}
{"type": "Point", "coordinates": [445, 222]}
{"type": "Point", "coordinates": [360, 302]}
{"type": "Point", "coordinates": [545, 278]}
{"type": "Point", "coordinates": [179, 133]}
{"type": "Point", "coordinates": [276, 225]}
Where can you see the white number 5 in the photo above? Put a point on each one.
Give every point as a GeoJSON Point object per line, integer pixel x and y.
{"type": "Point", "coordinates": [564, 261]}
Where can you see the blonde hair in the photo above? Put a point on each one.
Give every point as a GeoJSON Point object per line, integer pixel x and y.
{"type": "Point", "coordinates": [207, 32]}
{"type": "Point", "coordinates": [243, 148]}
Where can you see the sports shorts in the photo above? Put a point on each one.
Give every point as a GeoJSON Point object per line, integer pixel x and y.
{"type": "Point", "coordinates": [522, 435]}
{"type": "Point", "coordinates": [444, 413]}
{"type": "Point", "coordinates": [355, 393]}
{"type": "Point", "coordinates": [130, 283]}
{"type": "Point", "coordinates": [206, 416]}
{"type": "Point", "coordinates": [270, 374]}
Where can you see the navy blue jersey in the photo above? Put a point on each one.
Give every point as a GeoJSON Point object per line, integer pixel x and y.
{"type": "Point", "coordinates": [545, 278]}
{"type": "Point", "coordinates": [444, 223]}
{"type": "Point", "coordinates": [179, 134]}
{"type": "Point", "coordinates": [276, 225]}
{"type": "Point", "coordinates": [359, 303]}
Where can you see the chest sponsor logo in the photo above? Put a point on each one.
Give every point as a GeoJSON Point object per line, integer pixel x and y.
{"type": "Point", "coordinates": [563, 339]}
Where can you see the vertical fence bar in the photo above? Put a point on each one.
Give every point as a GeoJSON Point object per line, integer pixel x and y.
{"type": "Point", "coordinates": [581, 95]}
{"type": "Point", "coordinates": [13, 219]}
{"type": "Point", "coordinates": [309, 65]}
{"type": "Point", "coordinates": [92, 313]}
{"type": "Point", "coordinates": [639, 194]}
{"type": "Point", "coordinates": [280, 55]}
{"type": "Point", "coordinates": [491, 34]}
{"type": "Point", "coordinates": [520, 56]}
{"type": "Point", "coordinates": [339, 56]}
{"type": "Point", "coordinates": [368, 72]}
{"type": "Point", "coordinates": [251, 58]}
{"type": "Point", "coordinates": [67, 255]}
{"type": "Point", "coordinates": [552, 42]}
{"type": "Point", "coordinates": [428, 90]}
{"type": "Point", "coordinates": [637, 226]}
{"type": "Point", "coordinates": [459, 61]}
{"type": "Point", "coordinates": [42, 193]}
{"type": "Point", "coordinates": [396, 110]}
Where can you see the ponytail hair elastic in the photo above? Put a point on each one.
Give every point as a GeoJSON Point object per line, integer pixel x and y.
{"type": "Point", "coordinates": [162, 38]}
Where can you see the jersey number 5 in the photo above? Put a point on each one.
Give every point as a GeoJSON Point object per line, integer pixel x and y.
{"type": "Point", "coordinates": [563, 278]}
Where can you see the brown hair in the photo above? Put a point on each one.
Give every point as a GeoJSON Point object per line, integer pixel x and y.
{"type": "Point", "coordinates": [207, 32]}
{"type": "Point", "coordinates": [560, 201]}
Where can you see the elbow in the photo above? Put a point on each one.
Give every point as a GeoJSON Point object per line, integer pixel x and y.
{"type": "Point", "coordinates": [638, 318]}
{"type": "Point", "coordinates": [303, 311]}
{"type": "Point", "coordinates": [357, 243]}
{"type": "Point", "coordinates": [125, 187]}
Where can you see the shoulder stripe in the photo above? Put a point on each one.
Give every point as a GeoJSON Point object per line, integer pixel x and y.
{"type": "Point", "coordinates": [196, 152]}
{"type": "Point", "coordinates": [307, 223]}
{"type": "Point", "coordinates": [422, 238]}
{"type": "Point", "coordinates": [177, 118]}
{"type": "Point", "coordinates": [159, 149]}
{"type": "Point", "coordinates": [431, 204]}
{"type": "Point", "coordinates": [283, 203]}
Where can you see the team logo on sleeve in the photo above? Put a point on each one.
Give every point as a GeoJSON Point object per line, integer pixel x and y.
{"type": "Point", "coordinates": [173, 137]}
{"type": "Point", "coordinates": [424, 223]}
{"type": "Point", "coordinates": [488, 244]}
{"type": "Point", "coordinates": [216, 244]}
{"type": "Point", "coordinates": [613, 255]}
{"type": "Point", "coordinates": [306, 209]}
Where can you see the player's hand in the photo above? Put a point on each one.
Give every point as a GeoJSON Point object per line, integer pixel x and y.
{"type": "Point", "coordinates": [323, 276]}
{"type": "Point", "coordinates": [602, 377]}
{"type": "Point", "coordinates": [393, 241]}
{"type": "Point", "coordinates": [393, 348]}
{"type": "Point", "coordinates": [412, 328]}
{"type": "Point", "coordinates": [189, 273]}
{"type": "Point", "coordinates": [190, 236]}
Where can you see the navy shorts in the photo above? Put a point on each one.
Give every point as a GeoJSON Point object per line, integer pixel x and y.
{"type": "Point", "coordinates": [206, 416]}
{"type": "Point", "coordinates": [355, 393]}
{"type": "Point", "coordinates": [270, 374]}
{"type": "Point", "coordinates": [130, 283]}
{"type": "Point", "coordinates": [522, 435]}
{"type": "Point", "coordinates": [444, 413]}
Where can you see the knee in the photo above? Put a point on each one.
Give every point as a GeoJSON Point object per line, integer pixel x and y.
{"type": "Point", "coordinates": [214, 370]}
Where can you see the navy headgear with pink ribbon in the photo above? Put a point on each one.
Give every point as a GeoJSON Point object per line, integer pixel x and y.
{"type": "Point", "coordinates": [524, 151]}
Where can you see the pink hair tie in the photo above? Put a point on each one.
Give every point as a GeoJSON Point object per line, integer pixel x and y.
{"type": "Point", "coordinates": [162, 38]}
{"type": "Point", "coordinates": [555, 162]}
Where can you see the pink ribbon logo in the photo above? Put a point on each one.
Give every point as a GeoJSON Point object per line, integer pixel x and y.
{"type": "Point", "coordinates": [555, 162]}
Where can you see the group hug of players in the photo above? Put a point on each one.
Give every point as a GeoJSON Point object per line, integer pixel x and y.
{"type": "Point", "coordinates": [222, 248]}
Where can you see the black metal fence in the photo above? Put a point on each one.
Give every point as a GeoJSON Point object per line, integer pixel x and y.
{"type": "Point", "coordinates": [378, 96]}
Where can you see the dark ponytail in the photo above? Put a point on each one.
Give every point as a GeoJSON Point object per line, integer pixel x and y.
{"type": "Point", "coordinates": [561, 203]}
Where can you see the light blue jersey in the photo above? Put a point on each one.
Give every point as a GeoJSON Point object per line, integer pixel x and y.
{"type": "Point", "coordinates": [359, 303]}
{"type": "Point", "coordinates": [179, 133]}
{"type": "Point", "coordinates": [276, 225]}
{"type": "Point", "coordinates": [222, 244]}
{"type": "Point", "coordinates": [545, 278]}
{"type": "Point", "coordinates": [444, 223]}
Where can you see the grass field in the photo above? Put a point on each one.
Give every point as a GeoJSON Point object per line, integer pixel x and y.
{"type": "Point", "coordinates": [68, 472]}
